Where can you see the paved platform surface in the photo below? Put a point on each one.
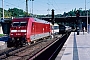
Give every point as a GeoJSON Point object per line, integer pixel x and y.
{"type": "Point", "coordinates": [77, 47]}
{"type": "Point", "coordinates": [3, 44]}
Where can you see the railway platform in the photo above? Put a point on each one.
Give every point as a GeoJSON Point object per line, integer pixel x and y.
{"type": "Point", "coordinates": [77, 47]}
{"type": "Point", "coordinates": [3, 44]}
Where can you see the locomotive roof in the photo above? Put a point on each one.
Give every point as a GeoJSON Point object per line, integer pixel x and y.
{"type": "Point", "coordinates": [34, 19]}
{"type": "Point", "coordinates": [41, 21]}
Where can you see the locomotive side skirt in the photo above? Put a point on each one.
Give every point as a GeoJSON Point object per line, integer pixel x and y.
{"type": "Point", "coordinates": [38, 36]}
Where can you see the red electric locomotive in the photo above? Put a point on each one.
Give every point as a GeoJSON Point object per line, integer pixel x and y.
{"type": "Point", "coordinates": [27, 30]}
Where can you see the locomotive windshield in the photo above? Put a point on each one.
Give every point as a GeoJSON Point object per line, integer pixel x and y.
{"type": "Point", "coordinates": [16, 24]}
{"type": "Point", "coordinates": [23, 23]}
{"type": "Point", "coordinates": [19, 24]}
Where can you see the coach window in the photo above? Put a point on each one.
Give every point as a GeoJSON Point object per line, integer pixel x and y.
{"type": "Point", "coordinates": [56, 27]}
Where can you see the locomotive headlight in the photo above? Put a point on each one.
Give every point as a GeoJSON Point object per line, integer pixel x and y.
{"type": "Point", "coordinates": [19, 33]}
{"type": "Point", "coordinates": [25, 34]}
{"type": "Point", "coordinates": [16, 34]}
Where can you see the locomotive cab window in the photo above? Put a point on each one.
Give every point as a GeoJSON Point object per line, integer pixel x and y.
{"type": "Point", "coordinates": [23, 23]}
{"type": "Point", "coordinates": [16, 24]}
{"type": "Point", "coordinates": [19, 24]}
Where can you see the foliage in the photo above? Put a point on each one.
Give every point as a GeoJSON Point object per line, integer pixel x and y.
{"type": "Point", "coordinates": [15, 12]}
{"type": "Point", "coordinates": [1, 35]}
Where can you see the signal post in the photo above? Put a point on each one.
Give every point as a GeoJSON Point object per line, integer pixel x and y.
{"type": "Point", "coordinates": [53, 22]}
{"type": "Point", "coordinates": [77, 21]}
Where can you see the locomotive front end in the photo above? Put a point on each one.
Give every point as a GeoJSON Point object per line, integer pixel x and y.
{"type": "Point", "coordinates": [18, 32]}
{"type": "Point", "coordinates": [18, 29]}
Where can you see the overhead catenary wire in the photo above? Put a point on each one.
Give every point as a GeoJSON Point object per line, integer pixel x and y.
{"type": "Point", "coordinates": [53, 6]}
{"type": "Point", "coordinates": [12, 4]}
{"type": "Point", "coordinates": [44, 4]}
{"type": "Point", "coordinates": [57, 5]}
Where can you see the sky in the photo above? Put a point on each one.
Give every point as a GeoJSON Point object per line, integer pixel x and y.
{"type": "Point", "coordinates": [43, 7]}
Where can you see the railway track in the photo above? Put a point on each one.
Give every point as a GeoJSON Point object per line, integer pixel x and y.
{"type": "Point", "coordinates": [53, 50]}
{"type": "Point", "coordinates": [26, 52]}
